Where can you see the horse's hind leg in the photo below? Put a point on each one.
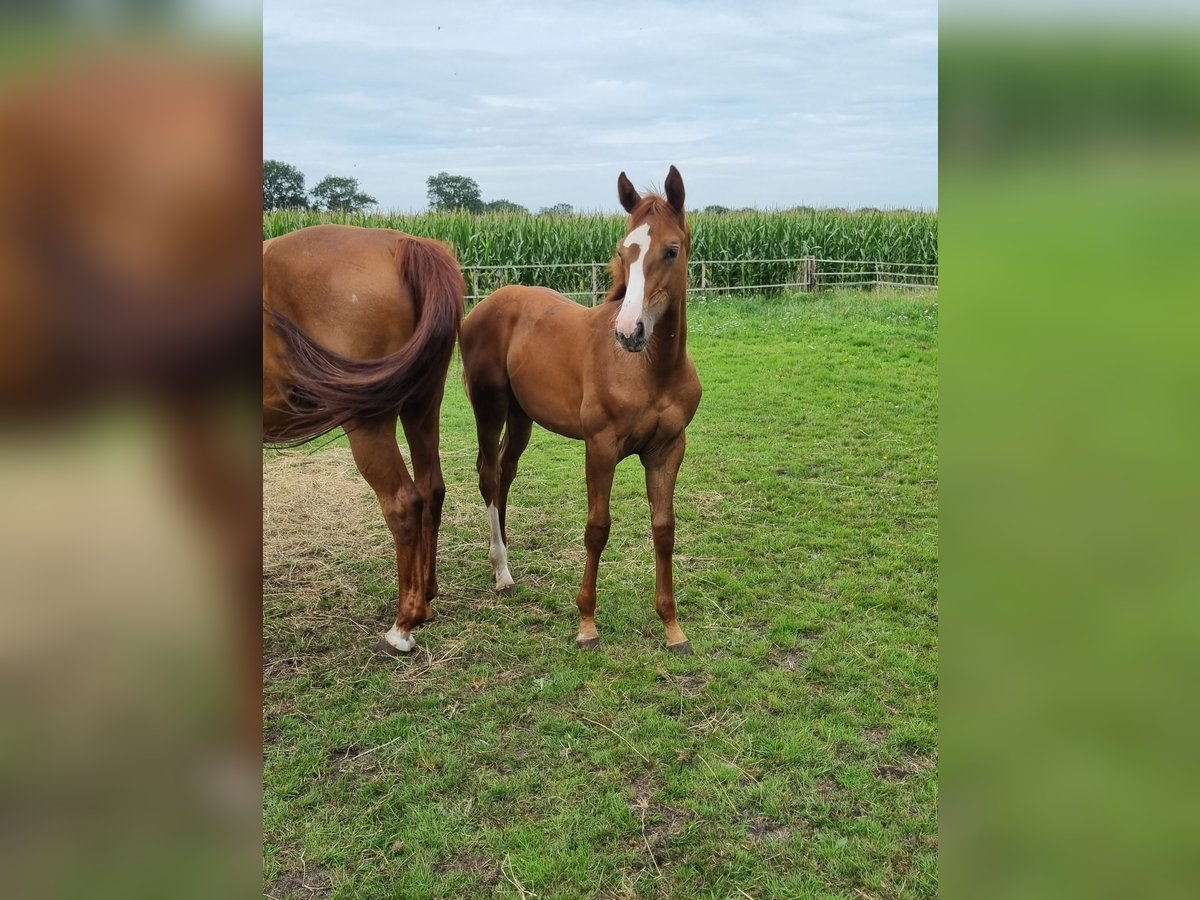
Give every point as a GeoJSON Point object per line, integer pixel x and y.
{"type": "Point", "coordinates": [491, 410]}
{"type": "Point", "coordinates": [378, 458]}
{"type": "Point", "coordinates": [422, 430]}
{"type": "Point", "coordinates": [516, 438]}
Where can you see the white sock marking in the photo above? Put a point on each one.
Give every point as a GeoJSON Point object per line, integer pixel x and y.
{"type": "Point", "coordinates": [497, 552]}
{"type": "Point", "coordinates": [401, 640]}
{"type": "Point", "coordinates": [633, 307]}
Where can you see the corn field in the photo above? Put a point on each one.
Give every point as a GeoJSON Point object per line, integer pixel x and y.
{"type": "Point", "coordinates": [568, 253]}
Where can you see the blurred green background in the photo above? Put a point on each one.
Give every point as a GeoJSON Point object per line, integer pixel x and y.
{"type": "Point", "coordinates": [1070, 184]}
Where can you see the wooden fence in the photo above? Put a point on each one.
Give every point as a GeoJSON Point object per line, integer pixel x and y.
{"type": "Point", "coordinates": [588, 282]}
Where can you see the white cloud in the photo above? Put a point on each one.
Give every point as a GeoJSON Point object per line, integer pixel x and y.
{"type": "Point", "coordinates": [665, 133]}
{"type": "Point", "coordinates": [496, 101]}
{"type": "Point", "coordinates": [766, 101]}
{"type": "Point", "coordinates": [356, 101]}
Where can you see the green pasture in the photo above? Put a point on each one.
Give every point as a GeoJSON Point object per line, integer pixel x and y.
{"type": "Point", "coordinates": [794, 755]}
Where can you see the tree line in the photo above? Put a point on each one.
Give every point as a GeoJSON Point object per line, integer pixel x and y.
{"type": "Point", "coordinates": [283, 188]}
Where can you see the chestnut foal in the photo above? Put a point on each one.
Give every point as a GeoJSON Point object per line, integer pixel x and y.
{"type": "Point", "coordinates": [616, 376]}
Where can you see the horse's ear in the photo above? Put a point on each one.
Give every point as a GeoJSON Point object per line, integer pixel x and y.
{"type": "Point", "coordinates": [626, 193]}
{"type": "Point", "coordinates": [675, 190]}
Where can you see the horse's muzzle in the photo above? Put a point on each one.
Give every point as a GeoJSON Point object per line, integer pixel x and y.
{"type": "Point", "coordinates": [634, 343]}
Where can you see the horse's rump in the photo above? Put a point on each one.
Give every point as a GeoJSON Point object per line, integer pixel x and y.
{"type": "Point", "coordinates": [327, 389]}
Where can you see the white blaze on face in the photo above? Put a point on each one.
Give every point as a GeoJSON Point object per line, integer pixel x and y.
{"type": "Point", "coordinates": [497, 552]}
{"type": "Point", "coordinates": [634, 305]}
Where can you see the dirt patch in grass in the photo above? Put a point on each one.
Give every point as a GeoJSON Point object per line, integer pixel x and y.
{"type": "Point", "coordinates": [300, 885]}
{"type": "Point", "coordinates": [761, 830]}
{"type": "Point", "coordinates": [875, 736]}
{"type": "Point", "coordinates": [469, 864]}
{"type": "Point", "coordinates": [688, 685]}
{"type": "Point", "coordinates": [797, 656]}
{"type": "Point", "coordinates": [281, 668]}
{"type": "Point", "coordinates": [794, 659]}
{"type": "Point", "coordinates": [921, 763]}
{"type": "Point", "coordinates": [642, 789]}
{"type": "Point", "coordinates": [660, 826]}
{"type": "Point", "coordinates": [340, 756]}
{"type": "Point", "coordinates": [828, 790]}
{"type": "Point", "coordinates": [353, 763]}
{"type": "Point", "coordinates": [910, 765]}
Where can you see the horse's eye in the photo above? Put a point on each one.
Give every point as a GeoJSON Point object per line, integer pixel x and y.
{"type": "Point", "coordinates": [672, 252]}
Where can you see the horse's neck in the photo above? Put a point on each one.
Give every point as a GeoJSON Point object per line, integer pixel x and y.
{"type": "Point", "coordinates": [669, 341]}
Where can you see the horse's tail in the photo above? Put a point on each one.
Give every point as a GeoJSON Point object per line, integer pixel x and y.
{"type": "Point", "coordinates": [329, 389]}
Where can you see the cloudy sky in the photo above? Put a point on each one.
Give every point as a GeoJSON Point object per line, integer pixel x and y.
{"type": "Point", "coordinates": [759, 103]}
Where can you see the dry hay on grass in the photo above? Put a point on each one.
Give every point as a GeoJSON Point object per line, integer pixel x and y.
{"type": "Point", "coordinates": [319, 516]}
{"type": "Point", "coordinates": [323, 532]}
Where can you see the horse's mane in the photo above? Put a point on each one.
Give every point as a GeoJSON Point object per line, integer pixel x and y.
{"type": "Point", "coordinates": [650, 205]}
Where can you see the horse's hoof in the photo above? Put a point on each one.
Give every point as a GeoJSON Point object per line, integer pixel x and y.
{"type": "Point", "coordinates": [383, 648]}
{"type": "Point", "coordinates": [588, 643]}
{"type": "Point", "coordinates": [683, 649]}
{"type": "Point", "coordinates": [507, 590]}
{"type": "Point", "coordinates": [396, 642]}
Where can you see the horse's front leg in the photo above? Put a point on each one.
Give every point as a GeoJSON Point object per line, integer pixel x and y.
{"type": "Point", "coordinates": [600, 465]}
{"type": "Point", "coordinates": [662, 467]}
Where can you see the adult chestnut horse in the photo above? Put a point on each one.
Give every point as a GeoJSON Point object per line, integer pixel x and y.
{"type": "Point", "coordinates": [616, 376]}
{"type": "Point", "coordinates": [358, 328]}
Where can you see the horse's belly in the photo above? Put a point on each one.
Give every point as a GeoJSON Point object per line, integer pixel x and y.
{"type": "Point", "coordinates": [547, 404]}
{"type": "Point", "coordinates": [545, 372]}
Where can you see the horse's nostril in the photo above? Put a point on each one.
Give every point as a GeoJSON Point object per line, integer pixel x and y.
{"type": "Point", "coordinates": [640, 332]}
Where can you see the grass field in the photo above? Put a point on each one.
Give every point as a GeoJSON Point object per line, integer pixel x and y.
{"type": "Point", "coordinates": [794, 755]}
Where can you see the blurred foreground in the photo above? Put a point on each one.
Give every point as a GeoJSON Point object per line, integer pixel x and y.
{"type": "Point", "coordinates": [1069, 188]}
{"type": "Point", "coordinates": [130, 535]}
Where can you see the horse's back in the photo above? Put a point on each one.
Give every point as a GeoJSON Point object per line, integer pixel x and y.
{"type": "Point", "coordinates": [516, 315]}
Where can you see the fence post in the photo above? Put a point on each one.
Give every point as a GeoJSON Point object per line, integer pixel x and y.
{"type": "Point", "coordinates": [475, 283]}
{"type": "Point", "coordinates": [810, 274]}
{"type": "Point", "coordinates": [595, 285]}
{"type": "Point", "coordinates": [703, 275]}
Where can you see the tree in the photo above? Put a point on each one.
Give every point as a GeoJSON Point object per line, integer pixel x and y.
{"type": "Point", "coordinates": [339, 192]}
{"type": "Point", "coordinates": [283, 186]}
{"type": "Point", "coordinates": [717, 209]}
{"type": "Point", "coordinates": [505, 206]}
{"type": "Point", "coordinates": [446, 191]}
{"type": "Point", "coordinates": [558, 209]}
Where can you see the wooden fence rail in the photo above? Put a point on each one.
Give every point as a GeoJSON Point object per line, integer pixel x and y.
{"type": "Point", "coordinates": [584, 281]}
